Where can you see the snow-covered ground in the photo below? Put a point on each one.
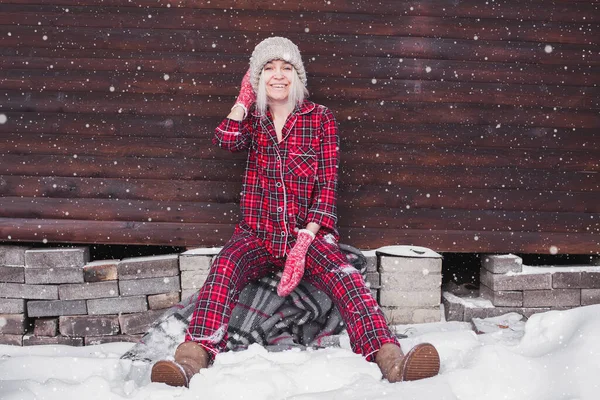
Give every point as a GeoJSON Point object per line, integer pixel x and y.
{"type": "Point", "coordinates": [555, 355]}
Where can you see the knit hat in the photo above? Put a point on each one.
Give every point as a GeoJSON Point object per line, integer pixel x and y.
{"type": "Point", "coordinates": [275, 48]}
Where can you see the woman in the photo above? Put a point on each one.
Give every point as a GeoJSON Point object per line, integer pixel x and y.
{"type": "Point", "coordinates": [288, 222]}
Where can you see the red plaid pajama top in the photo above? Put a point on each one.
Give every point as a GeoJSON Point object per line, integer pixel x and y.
{"type": "Point", "coordinates": [291, 183]}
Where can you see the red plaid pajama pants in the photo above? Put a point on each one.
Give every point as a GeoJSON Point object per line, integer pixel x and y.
{"type": "Point", "coordinates": [244, 259]}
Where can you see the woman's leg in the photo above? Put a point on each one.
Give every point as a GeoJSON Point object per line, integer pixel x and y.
{"type": "Point", "coordinates": [242, 260]}
{"type": "Point", "coordinates": [328, 269]}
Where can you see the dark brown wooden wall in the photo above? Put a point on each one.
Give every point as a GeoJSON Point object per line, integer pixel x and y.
{"type": "Point", "coordinates": [466, 126]}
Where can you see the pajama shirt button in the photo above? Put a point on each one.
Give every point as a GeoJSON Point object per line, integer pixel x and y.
{"type": "Point", "coordinates": [279, 209]}
{"type": "Point", "coordinates": [278, 184]}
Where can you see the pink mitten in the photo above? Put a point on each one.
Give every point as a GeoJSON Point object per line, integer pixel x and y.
{"type": "Point", "coordinates": [247, 97]}
{"type": "Point", "coordinates": [294, 265]}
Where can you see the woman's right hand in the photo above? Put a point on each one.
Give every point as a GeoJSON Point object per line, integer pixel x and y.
{"type": "Point", "coordinates": [247, 97]}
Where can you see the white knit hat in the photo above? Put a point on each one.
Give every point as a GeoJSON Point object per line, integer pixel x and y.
{"type": "Point", "coordinates": [275, 48]}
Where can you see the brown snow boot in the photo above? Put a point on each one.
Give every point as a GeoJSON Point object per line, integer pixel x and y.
{"type": "Point", "coordinates": [190, 357]}
{"type": "Point", "coordinates": [422, 361]}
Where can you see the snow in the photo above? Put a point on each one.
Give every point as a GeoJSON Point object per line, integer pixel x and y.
{"type": "Point", "coordinates": [545, 269]}
{"type": "Point", "coordinates": [553, 356]}
{"type": "Point", "coordinates": [408, 251]}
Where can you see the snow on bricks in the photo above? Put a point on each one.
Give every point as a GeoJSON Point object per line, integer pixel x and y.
{"type": "Point", "coordinates": [85, 291]}
{"type": "Point", "coordinates": [45, 327]}
{"type": "Point", "coordinates": [57, 257]}
{"type": "Point", "coordinates": [12, 255]}
{"type": "Point", "coordinates": [55, 308]}
{"type": "Point", "coordinates": [100, 271]}
{"type": "Point", "coordinates": [138, 322]}
{"type": "Point", "coordinates": [148, 267]}
{"type": "Point", "coordinates": [12, 274]}
{"type": "Point", "coordinates": [12, 306]}
{"type": "Point", "coordinates": [13, 324]}
{"type": "Point", "coordinates": [410, 281]}
{"type": "Point", "coordinates": [526, 289]}
{"type": "Point", "coordinates": [24, 291]}
{"type": "Point", "coordinates": [117, 305]}
{"type": "Point", "coordinates": [149, 286]}
{"type": "Point", "coordinates": [89, 325]}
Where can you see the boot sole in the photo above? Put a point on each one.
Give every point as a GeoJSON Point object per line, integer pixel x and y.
{"type": "Point", "coordinates": [422, 361]}
{"type": "Point", "coordinates": [170, 373]}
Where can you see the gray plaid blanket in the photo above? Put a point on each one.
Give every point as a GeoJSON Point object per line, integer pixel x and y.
{"type": "Point", "coordinates": [305, 318]}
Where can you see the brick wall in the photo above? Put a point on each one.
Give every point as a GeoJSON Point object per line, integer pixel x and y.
{"type": "Point", "coordinates": [506, 285]}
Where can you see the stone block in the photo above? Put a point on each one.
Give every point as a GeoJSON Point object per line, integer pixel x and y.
{"type": "Point", "coordinates": [13, 324]}
{"type": "Point", "coordinates": [373, 280]}
{"type": "Point", "coordinates": [163, 300]}
{"type": "Point", "coordinates": [89, 325]}
{"type": "Point", "coordinates": [408, 265]}
{"type": "Point", "coordinates": [138, 322]}
{"type": "Point", "coordinates": [411, 315]}
{"type": "Point", "coordinates": [12, 306]}
{"type": "Point", "coordinates": [84, 291]}
{"type": "Point", "coordinates": [47, 276]}
{"type": "Point", "coordinates": [453, 310]}
{"type": "Point", "coordinates": [193, 279]}
{"type": "Point", "coordinates": [96, 340]}
{"type": "Point", "coordinates": [67, 257]}
{"type": "Point", "coordinates": [12, 274]}
{"type": "Point", "coordinates": [56, 308]}
{"type": "Point", "coordinates": [419, 299]}
{"type": "Point", "coordinates": [566, 280]}
{"type": "Point", "coordinates": [43, 340]}
{"type": "Point", "coordinates": [24, 291]}
{"type": "Point", "coordinates": [508, 298]}
{"type": "Point", "coordinates": [552, 298]}
{"type": "Point", "coordinates": [590, 280]}
{"type": "Point", "coordinates": [149, 286]}
{"type": "Point", "coordinates": [371, 261]}
{"type": "Point", "coordinates": [498, 282]}
{"type": "Point", "coordinates": [100, 271]}
{"type": "Point", "coordinates": [12, 255]}
{"type": "Point", "coordinates": [186, 293]}
{"type": "Point", "coordinates": [502, 263]}
{"type": "Point", "coordinates": [45, 327]}
{"type": "Point", "coordinates": [590, 296]}
{"type": "Point", "coordinates": [117, 305]}
{"type": "Point", "coordinates": [148, 267]}
{"type": "Point", "coordinates": [11, 340]}
{"type": "Point", "coordinates": [411, 282]}
{"type": "Point", "coordinates": [195, 262]}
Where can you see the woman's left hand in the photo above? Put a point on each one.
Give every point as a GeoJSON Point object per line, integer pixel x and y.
{"type": "Point", "coordinates": [294, 265]}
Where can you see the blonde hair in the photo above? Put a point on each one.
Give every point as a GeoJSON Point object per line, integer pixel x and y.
{"type": "Point", "coordinates": [298, 93]}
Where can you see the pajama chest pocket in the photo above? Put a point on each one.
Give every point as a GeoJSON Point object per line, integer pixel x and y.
{"type": "Point", "coordinates": [302, 162]}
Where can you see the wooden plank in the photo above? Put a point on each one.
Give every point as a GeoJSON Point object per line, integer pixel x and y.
{"type": "Point", "coordinates": [123, 168]}
{"type": "Point", "coordinates": [468, 220]}
{"type": "Point", "coordinates": [372, 195]}
{"type": "Point", "coordinates": [475, 242]}
{"type": "Point", "coordinates": [311, 45]}
{"type": "Point", "coordinates": [352, 153]}
{"type": "Point", "coordinates": [350, 196]}
{"type": "Point", "coordinates": [119, 210]}
{"type": "Point", "coordinates": [364, 110]}
{"type": "Point", "coordinates": [228, 213]}
{"type": "Point", "coordinates": [317, 23]}
{"type": "Point", "coordinates": [351, 131]}
{"type": "Point", "coordinates": [543, 10]}
{"type": "Point", "coordinates": [180, 234]}
{"type": "Point", "coordinates": [471, 177]}
{"type": "Point", "coordinates": [358, 67]}
{"type": "Point", "coordinates": [231, 171]}
{"type": "Point", "coordinates": [111, 232]}
{"type": "Point", "coordinates": [115, 188]}
{"type": "Point", "coordinates": [327, 88]}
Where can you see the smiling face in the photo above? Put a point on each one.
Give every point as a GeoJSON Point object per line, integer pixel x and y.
{"type": "Point", "coordinates": [278, 77]}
